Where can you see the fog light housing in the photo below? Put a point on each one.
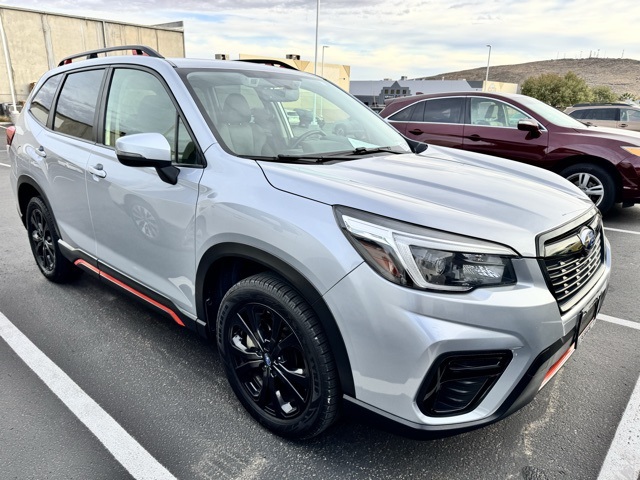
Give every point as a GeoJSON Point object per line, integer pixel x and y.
{"type": "Point", "coordinates": [458, 382]}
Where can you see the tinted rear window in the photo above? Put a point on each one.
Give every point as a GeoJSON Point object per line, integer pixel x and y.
{"type": "Point", "coordinates": [41, 103]}
{"type": "Point", "coordinates": [77, 103]}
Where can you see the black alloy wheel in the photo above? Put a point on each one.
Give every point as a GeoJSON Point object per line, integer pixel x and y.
{"type": "Point", "coordinates": [277, 358]}
{"type": "Point", "coordinates": [43, 239]}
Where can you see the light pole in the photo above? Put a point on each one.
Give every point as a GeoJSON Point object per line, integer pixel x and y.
{"type": "Point", "coordinates": [322, 75]}
{"type": "Point", "coordinates": [322, 62]}
{"type": "Point", "coordinates": [486, 78]}
{"type": "Point", "coordinates": [315, 61]}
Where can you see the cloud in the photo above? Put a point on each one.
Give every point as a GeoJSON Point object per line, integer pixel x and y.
{"type": "Point", "coordinates": [385, 38]}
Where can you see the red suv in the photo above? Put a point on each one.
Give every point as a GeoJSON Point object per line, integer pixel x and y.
{"type": "Point", "coordinates": [602, 162]}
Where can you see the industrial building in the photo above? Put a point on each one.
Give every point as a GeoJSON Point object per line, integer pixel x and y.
{"type": "Point", "coordinates": [35, 41]}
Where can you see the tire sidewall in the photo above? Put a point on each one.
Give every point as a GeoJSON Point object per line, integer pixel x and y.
{"type": "Point", "coordinates": [601, 174]}
{"type": "Point", "coordinates": [304, 424]}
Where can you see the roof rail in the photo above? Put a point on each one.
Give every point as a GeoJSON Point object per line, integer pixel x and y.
{"type": "Point", "coordinates": [269, 62]}
{"type": "Point", "coordinates": [136, 50]}
{"type": "Point", "coordinates": [602, 104]}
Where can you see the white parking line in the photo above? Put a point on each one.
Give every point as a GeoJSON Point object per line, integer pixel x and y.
{"type": "Point", "coordinates": [619, 321]}
{"type": "Point", "coordinates": [623, 231]}
{"type": "Point", "coordinates": [125, 449]}
{"type": "Point", "coordinates": [623, 458]}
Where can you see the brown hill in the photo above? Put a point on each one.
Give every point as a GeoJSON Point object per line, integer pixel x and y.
{"type": "Point", "coordinates": [621, 74]}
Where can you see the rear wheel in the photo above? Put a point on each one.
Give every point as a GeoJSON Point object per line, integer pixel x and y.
{"type": "Point", "coordinates": [595, 182]}
{"type": "Point", "coordinates": [277, 357]}
{"type": "Point", "coordinates": [43, 239]}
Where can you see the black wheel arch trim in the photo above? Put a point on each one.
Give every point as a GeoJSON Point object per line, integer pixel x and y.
{"type": "Point", "coordinates": [22, 205]}
{"type": "Point", "coordinates": [296, 279]}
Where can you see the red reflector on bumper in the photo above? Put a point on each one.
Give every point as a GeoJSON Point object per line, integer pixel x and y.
{"type": "Point", "coordinates": [558, 365]}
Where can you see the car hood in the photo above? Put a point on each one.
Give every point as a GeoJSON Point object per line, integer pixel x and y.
{"type": "Point", "coordinates": [623, 136]}
{"type": "Point", "coordinates": [460, 192]}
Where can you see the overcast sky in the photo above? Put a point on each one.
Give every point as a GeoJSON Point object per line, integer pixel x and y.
{"type": "Point", "coordinates": [386, 39]}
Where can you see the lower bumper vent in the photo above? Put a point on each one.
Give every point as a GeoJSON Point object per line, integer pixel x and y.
{"type": "Point", "coordinates": [457, 383]}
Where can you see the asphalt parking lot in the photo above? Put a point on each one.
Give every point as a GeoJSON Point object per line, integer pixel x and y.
{"type": "Point", "coordinates": [133, 388]}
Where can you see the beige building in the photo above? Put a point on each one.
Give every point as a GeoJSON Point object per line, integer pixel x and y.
{"type": "Point", "coordinates": [35, 41]}
{"type": "Point", "coordinates": [338, 74]}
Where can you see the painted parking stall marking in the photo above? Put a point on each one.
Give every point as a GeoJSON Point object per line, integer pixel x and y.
{"type": "Point", "coordinates": [621, 230]}
{"type": "Point", "coordinates": [126, 450]}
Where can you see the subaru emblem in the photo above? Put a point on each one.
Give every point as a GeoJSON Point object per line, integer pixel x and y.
{"type": "Point", "coordinates": [587, 238]}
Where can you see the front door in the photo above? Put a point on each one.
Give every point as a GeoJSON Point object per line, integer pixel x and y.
{"type": "Point", "coordinates": [145, 227]}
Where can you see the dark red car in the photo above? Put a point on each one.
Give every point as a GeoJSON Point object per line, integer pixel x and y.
{"type": "Point", "coordinates": [602, 162]}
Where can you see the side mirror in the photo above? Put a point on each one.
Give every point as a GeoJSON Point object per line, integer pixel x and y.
{"type": "Point", "coordinates": [147, 150]}
{"type": "Point", "coordinates": [528, 125]}
{"type": "Point", "coordinates": [415, 146]}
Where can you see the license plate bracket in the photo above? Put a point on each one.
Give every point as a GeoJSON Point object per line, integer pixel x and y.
{"type": "Point", "coordinates": [587, 320]}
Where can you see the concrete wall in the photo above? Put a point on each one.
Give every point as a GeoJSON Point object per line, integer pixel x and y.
{"type": "Point", "coordinates": [37, 41]}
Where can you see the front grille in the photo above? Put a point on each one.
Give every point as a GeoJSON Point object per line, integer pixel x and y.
{"type": "Point", "coordinates": [570, 267]}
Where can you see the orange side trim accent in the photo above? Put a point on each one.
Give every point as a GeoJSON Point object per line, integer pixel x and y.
{"type": "Point", "coordinates": [558, 365]}
{"type": "Point", "coordinates": [131, 290]}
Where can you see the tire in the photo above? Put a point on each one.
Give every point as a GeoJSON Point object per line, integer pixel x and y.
{"type": "Point", "coordinates": [277, 357]}
{"type": "Point", "coordinates": [43, 238]}
{"type": "Point", "coordinates": [595, 182]}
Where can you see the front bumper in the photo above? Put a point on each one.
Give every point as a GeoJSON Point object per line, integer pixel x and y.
{"type": "Point", "coordinates": [394, 336]}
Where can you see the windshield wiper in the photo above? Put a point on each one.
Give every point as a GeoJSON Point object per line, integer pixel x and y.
{"type": "Point", "coordinates": [365, 150]}
{"type": "Point", "coordinates": [310, 158]}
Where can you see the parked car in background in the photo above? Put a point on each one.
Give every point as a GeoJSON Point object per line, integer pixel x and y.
{"type": "Point", "coordinates": [293, 117]}
{"type": "Point", "coordinates": [436, 290]}
{"type": "Point", "coordinates": [615, 115]}
{"type": "Point", "coordinates": [604, 163]}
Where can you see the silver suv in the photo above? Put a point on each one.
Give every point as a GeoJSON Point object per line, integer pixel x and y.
{"type": "Point", "coordinates": [615, 115]}
{"type": "Point", "coordinates": [438, 290]}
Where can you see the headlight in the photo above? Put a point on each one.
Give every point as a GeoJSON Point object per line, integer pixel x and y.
{"type": "Point", "coordinates": [427, 259]}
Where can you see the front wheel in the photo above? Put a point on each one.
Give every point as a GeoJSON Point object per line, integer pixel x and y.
{"type": "Point", "coordinates": [43, 239]}
{"type": "Point", "coordinates": [277, 357]}
{"type": "Point", "coordinates": [595, 182]}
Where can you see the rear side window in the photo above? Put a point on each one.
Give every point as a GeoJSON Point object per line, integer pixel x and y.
{"type": "Point", "coordinates": [76, 108]}
{"type": "Point", "coordinates": [601, 114]}
{"type": "Point", "coordinates": [444, 110]}
{"type": "Point", "coordinates": [403, 115]}
{"type": "Point", "coordinates": [42, 102]}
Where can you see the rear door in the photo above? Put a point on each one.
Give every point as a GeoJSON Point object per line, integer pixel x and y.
{"type": "Point", "coordinates": [62, 154]}
{"type": "Point", "coordinates": [436, 120]}
{"type": "Point", "coordinates": [145, 227]}
{"type": "Point", "coordinates": [492, 129]}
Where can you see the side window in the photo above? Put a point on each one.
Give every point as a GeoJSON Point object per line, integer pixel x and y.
{"type": "Point", "coordinates": [444, 110]}
{"type": "Point", "coordinates": [578, 114]}
{"type": "Point", "coordinates": [75, 111]}
{"type": "Point", "coordinates": [487, 111]}
{"type": "Point", "coordinates": [418, 112]}
{"type": "Point", "coordinates": [403, 115]}
{"type": "Point", "coordinates": [42, 102]}
{"type": "Point", "coordinates": [605, 114]}
{"type": "Point", "coordinates": [138, 103]}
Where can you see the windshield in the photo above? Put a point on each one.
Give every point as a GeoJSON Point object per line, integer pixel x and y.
{"type": "Point", "coordinates": [550, 114]}
{"type": "Point", "coordinates": [279, 115]}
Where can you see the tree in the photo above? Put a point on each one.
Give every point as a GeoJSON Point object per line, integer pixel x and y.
{"type": "Point", "coordinates": [625, 97]}
{"type": "Point", "coordinates": [603, 94]}
{"type": "Point", "coordinates": [557, 91]}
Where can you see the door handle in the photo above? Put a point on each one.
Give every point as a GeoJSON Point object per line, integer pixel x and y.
{"type": "Point", "coordinates": [475, 137]}
{"type": "Point", "coordinates": [623, 125]}
{"type": "Point", "coordinates": [40, 152]}
{"type": "Point", "coordinates": [97, 170]}
{"type": "Point", "coordinates": [416, 131]}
